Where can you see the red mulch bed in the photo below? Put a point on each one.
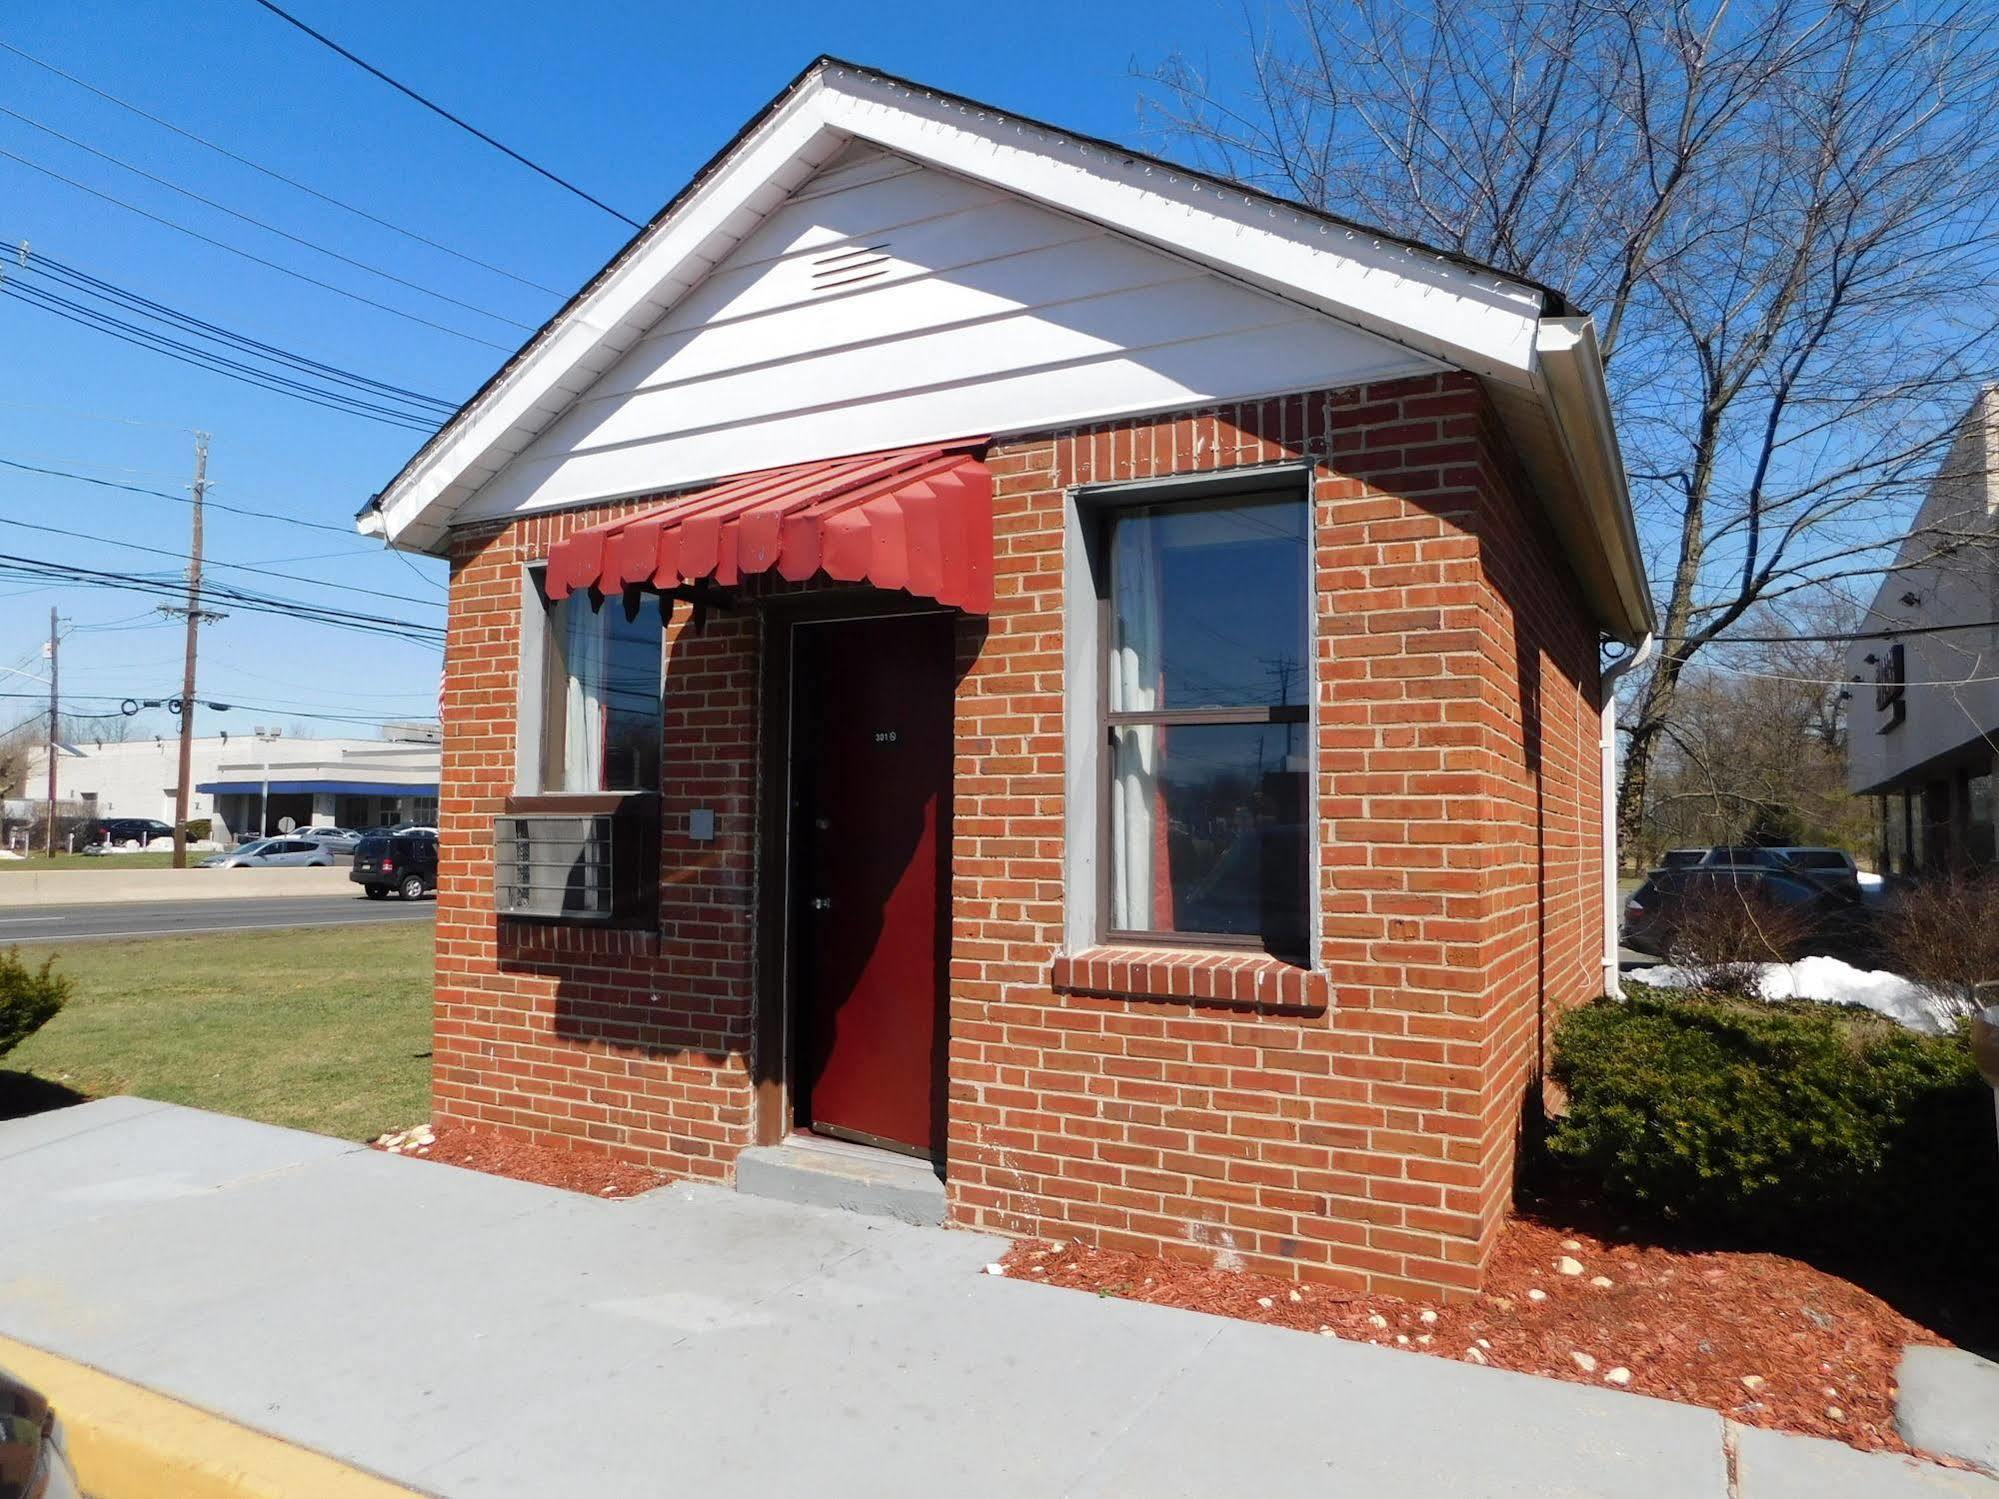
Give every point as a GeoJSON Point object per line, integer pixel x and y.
{"type": "Point", "coordinates": [546, 1165]}
{"type": "Point", "coordinates": [1688, 1324]}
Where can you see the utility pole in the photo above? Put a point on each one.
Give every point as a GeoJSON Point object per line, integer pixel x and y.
{"type": "Point", "coordinates": [194, 612]}
{"type": "Point", "coordinates": [54, 641]}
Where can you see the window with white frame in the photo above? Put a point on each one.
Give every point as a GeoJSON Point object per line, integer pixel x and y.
{"type": "Point", "coordinates": [1204, 701]}
{"type": "Point", "coordinates": [600, 704]}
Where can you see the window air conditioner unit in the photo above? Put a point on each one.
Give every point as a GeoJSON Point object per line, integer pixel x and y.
{"type": "Point", "coordinates": [587, 866]}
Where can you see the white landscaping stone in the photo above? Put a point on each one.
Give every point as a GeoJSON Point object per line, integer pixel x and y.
{"type": "Point", "coordinates": [1473, 1356]}
{"type": "Point", "coordinates": [1584, 1361]}
{"type": "Point", "coordinates": [1753, 1383]}
{"type": "Point", "coordinates": [1569, 1266]}
{"type": "Point", "coordinates": [1618, 1376]}
{"type": "Point", "coordinates": [1537, 1294]}
{"type": "Point", "coordinates": [1426, 1315]}
{"type": "Point", "coordinates": [1601, 1282]}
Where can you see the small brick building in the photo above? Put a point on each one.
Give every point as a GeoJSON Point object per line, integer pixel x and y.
{"type": "Point", "coordinates": [1000, 650]}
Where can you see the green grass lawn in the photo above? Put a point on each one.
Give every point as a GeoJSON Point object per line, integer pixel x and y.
{"type": "Point", "coordinates": [325, 1029]}
{"type": "Point", "coordinates": [145, 859]}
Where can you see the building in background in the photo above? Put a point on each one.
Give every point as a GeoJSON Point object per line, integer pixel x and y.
{"type": "Point", "coordinates": [244, 782]}
{"type": "Point", "coordinates": [1925, 717]}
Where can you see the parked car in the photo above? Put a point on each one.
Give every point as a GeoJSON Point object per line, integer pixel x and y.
{"type": "Point", "coordinates": [403, 862]}
{"type": "Point", "coordinates": [1656, 911]}
{"type": "Point", "coordinates": [334, 840]}
{"type": "Point", "coordinates": [270, 853]}
{"type": "Point", "coordinates": [34, 1460]}
{"type": "Point", "coordinates": [1834, 865]}
{"type": "Point", "coordinates": [119, 832]}
{"type": "Point", "coordinates": [1743, 856]}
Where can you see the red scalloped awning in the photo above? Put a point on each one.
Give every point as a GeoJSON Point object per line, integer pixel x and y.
{"type": "Point", "coordinates": [918, 519]}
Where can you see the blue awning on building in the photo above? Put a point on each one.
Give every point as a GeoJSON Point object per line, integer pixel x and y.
{"type": "Point", "coordinates": [295, 788]}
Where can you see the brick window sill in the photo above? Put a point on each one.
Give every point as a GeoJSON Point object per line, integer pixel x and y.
{"type": "Point", "coordinates": [1190, 976]}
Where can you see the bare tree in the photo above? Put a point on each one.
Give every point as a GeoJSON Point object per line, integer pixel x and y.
{"type": "Point", "coordinates": [1781, 215]}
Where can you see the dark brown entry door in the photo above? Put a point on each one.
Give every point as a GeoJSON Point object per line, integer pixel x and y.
{"type": "Point", "coordinates": [871, 761]}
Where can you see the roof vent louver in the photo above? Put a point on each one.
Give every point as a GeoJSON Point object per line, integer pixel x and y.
{"type": "Point", "coordinates": [839, 268]}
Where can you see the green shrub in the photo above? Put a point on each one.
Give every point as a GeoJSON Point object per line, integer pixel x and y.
{"type": "Point", "coordinates": [1768, 1119]}
{"type": "Point", "coordinates": [199, 828]}
{"type": "Point", "coordinates": [29, 998]}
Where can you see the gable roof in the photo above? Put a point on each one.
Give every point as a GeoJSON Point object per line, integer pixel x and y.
{"type": "Point", "coordinates": [1537, 358]}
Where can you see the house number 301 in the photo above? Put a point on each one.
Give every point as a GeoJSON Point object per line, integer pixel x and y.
{"type": "Point", "coordinates": [884, 736]}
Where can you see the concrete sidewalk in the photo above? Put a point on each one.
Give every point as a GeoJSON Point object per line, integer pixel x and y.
{"type": "Point", "coordinates": [465, 1335]}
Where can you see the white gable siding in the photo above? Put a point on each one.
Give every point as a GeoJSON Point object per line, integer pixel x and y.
{"type": "Point", "coordinates": [888, 303]}
{"type": "Point", "coordinates": [1952, 697]}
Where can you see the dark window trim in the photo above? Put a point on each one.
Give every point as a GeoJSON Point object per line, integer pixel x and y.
{"type": "Point", "coordinates": [1099, 507]}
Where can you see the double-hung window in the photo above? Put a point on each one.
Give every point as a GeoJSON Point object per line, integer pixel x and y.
{"type": "Point", "coordinates": [1206, 674]}
{"type": "Point", "coordinates": [579, 840]}
{"type": "Point", "coordinates": [600, 707]}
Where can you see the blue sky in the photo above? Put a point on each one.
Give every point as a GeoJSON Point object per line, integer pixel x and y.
{"type": "Point", "coordinates": [626, 99]}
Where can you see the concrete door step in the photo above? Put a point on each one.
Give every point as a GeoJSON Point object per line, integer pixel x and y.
{"type": "Point", "coordinates": [819, 1172]}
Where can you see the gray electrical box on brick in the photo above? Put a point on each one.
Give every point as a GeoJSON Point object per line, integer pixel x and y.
{"type": "Point", "coordinates": [701, 824]}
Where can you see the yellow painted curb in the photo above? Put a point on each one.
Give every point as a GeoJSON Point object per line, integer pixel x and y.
{"type": "Point", "coordinates": [129, 1443]}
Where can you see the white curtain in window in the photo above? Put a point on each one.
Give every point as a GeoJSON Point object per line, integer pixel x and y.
{"type": "Point", "coordinates": [1138, 845]}
{"type": "Point", "coordinates": [587, 654]}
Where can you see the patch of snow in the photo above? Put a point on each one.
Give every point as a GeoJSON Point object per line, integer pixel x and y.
{"type": "Point", "coordinates": [1830, 981]}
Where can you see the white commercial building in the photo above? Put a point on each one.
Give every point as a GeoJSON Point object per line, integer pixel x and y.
{"type": "Point", "coordinates": [245, 783]}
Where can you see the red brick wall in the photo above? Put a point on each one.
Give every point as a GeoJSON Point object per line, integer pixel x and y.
{"type": "Point", "coordinates": [634, 1043]}
{"type": "Point", "coordinates": [1355, 1122]}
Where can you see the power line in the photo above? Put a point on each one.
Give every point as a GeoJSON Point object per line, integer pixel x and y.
{"type": "Point", "coordinates": [277, 176]}
{"type": "Point", "coordinates": [17, 566]}
{"type": "Point", "coordinates": [91, 416]}
{"type": "Point", "coordinates": [131, 333]}
{"type": "Point", "coordinates": [438, 109]}
{"type": "Point", "coordinates": [1841, 636]}
{"type": "Point", "coordinates": [415, 571]}
{"type": "Point", "coordinates": [147, 700]}
{"type": "Point", "coordinates": [257, 223]}
{"type": "Point", "coordinates": [240, 567]}
{"type": "Point", "coordinates": [283, 270]}
{"type": "Point", "coordinates": [1778, 676]}
{"type": "Point", "coordinates": [181, 499]}
{"type": "Point", "coordinates": [42, 263]}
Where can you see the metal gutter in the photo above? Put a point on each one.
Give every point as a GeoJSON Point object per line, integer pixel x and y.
{"type": "Point", "coordinates": [1607, 747]}
{"type": "Point", "coordinates": [1569, 373]}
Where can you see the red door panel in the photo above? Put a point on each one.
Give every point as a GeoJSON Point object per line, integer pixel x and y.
{"type": "Point", "coordinates": [871, 756]}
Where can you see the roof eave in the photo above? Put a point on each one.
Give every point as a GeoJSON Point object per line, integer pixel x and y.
{"type": "Point", "coordinates": [1569, 378]}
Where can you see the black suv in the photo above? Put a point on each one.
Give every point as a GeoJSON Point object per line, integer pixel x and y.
{"type": "Point", "coordinates": [117, 831]}
{"type": "Point", "coordinates": [403, 862]}
{"type": "Point", "coordinates": [1828, 913]}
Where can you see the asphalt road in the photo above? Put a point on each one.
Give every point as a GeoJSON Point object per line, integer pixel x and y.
{"type": "Point", "coordinates": [166, 918]}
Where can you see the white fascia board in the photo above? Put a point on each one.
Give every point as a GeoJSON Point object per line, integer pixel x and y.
{"type": "Point", "coordinates": [1474, 319]}
{"type": "Point", "coordinates": [796, 133]}
{"type": "Point", "coordinates": [1569, 380]}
